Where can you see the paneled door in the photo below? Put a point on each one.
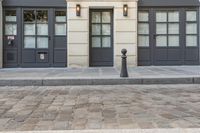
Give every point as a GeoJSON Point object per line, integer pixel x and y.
{"type": "Point", "coordinates": [101, 37]}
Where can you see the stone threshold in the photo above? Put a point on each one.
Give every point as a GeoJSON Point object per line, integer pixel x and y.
{"type": "Point", "coordinates": [195, 130]}
{"type": "Point", "coordinates": [98, 81]}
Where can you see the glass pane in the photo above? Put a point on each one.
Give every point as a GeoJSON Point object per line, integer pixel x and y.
{"type": "Point", "coordinates": [106, 42]}
{"type": "Point", "coordinates": [161, 41]}
{"type": "Point", "coordinates": [143, 41]}
{"type": "Point", "coordinates": [60, 16]}
{"type": "Point", "coordinates": [42, 29]}
{"type": "Point", "coordinates": [143, 28]}
{"type": "Point", "coordinates": [11, 29]}
{"type": "Point", "coordinates": [173, 28]}
{"type": "Point", "coordinates": [60, 29]}
{"type": "Point", "coordinates": [96, 29]}
{"type": "Point", "coordinates": [173, 16]}
{"type": "Point", "coordinates": [29, 29]}
{"type": "Point", "coordinates": [42, 16]}
{"type": "Point", "coordinates": [11, 16]}
{"type": "Point", "coordinates": [96, 42]}
{"type": "Point", "coordinates": [161, 16]}
{"type": "Point", "coordinates": [42, 42]}
{"type": "Point", "coordinates": [29, 16]}
{"type": "Point", "coordinates": [143, 16]}
{"type": "Point", "coordinates": [29, 42]}
{"type": "Point", "coordinates": [191, 28]}
{"type": "Point", "coordinates": [191, 41]}
{"type": "Point", "coordinates": [106, 29]}
{"type": "Point", "coordinates": [161, 28]}
{"type": "Point", "coordinates": [173, 41]}
{"type": "Point", "coordinates": [191, 15]}
{"type": "Point", "coordinates": [96, 17]}
{"type": "Point", "coordinates": [106, 17]}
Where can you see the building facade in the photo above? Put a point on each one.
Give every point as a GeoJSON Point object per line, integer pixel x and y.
{"type": "Point", "coordinates": [92, 33]}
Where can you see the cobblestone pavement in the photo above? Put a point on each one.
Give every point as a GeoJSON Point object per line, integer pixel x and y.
{"type": "Point", "coordinates": [99, 107]}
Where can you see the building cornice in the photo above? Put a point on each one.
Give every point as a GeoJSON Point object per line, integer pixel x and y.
{"type": "Point", "coordinates": [101, 0]}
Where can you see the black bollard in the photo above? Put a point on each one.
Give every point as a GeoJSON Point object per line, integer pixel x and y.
{"type": "Point", "coordinates": [124, 71]}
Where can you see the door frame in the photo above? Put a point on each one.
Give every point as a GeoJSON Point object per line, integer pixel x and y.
{"type": "Point", "coordinates": [111, 10]}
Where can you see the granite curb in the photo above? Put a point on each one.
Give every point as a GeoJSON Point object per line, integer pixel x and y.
{"type": "Point", "coordinates": [99, 81]}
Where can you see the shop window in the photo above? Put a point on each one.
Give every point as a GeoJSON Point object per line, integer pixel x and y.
{"type": "Point", "coordinates": [143, 29]}
{"type": "Point", "coordinates": [191, 29]}
{"type": "Point", "coordinates": [10, 22]}
{"type": "Point", "coordinates": [60, 23]}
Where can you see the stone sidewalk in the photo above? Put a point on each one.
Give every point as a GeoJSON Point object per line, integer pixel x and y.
{"type": "Point", "coordinates": [100, 76]}
{"type": "Point", "coordinates": [99, 107]}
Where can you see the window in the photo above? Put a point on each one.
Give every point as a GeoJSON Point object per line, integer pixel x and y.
{"type": "Point", "coordinates": [10, 22]}
{"type": "Point", "coordinates": [143, 29]}
{"type": "Point", "coordinates": [167, 29]}
{"type": "Point", "coordinates": [191, 29]}
{"type": "Point", "coordinates": [36, 29]}
{"type": "Point", "coordinates": [101, 29]}
{"type": "Point", "coordinates": [60, 23]}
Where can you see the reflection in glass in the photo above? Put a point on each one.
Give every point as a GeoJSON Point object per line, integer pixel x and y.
{"type": "Point", "coordinates": [60, 29]}
{"type": "Point", "coordinates": [11, 29]}
{"type": "Point", "coordinates": [106, 29]}
{"type": "Point", "coordinates": [96, 29]}
{"type": "Point", "coordinates": [29, 42]}
{"type": "Point", "coordinates": [10, 16]}
{"type": "Point", "coordinates": [173, 16]}
{"type": "Point", "coordinates": [173, 41]}
{"type": "Point", "coordinates": [191, 16]}
{"type": "Point", "coordinates": [161, 28]}
{"type": "Point", "coordinates": [106, 42]}
{"type": "Point", "coordinates": [96, 17]}
{"type": "Point", "coordinates": [42, 16]}
{"type": "Point", "coordinates": [29, 16]}
{"type": "Point", "coordinates": [106, 17]}
{"type": "Point", "coordinates": [191, 40]}
{"type": "Point", "coordinates": [173, 28]}
{"type": "Point", "coordinates": [143, 16]}
{"type": "Point", "coordinates": [96, 42]}
{"type": "Point", "coordinates": [42, 29]}
{"type": "Point", "coordinates": [161, 16]}
{"type": "Point", "coordinates": [143, 28]}
{"type": "Point", "coordinates": [60, 16]}
{"type": "Point", "coordinates": [42, 42]}
{"type": "Point", "coordinates": [143, 41]}
{"type": "Point", "coordinates": [161, 41]}
{"type": "Point", "coordinates": [29, 29]}
{"type": "Point", "coordinates": [191, 28]}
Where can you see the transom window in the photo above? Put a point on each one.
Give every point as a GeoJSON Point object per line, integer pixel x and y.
{"type": "Point", "coordinates": [167, 29]}
{"type": "Point", "coordinates": [101, 29]}
{"type": "Point", "coordinates": [36, 29]}
{"type": "Point", "coordinates": [10, 22]}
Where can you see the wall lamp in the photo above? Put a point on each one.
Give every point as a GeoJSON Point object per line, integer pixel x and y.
{"type": "Point", "coordinates": [125, 10]}
{"type": "Point", "coordinates": [78, 10]}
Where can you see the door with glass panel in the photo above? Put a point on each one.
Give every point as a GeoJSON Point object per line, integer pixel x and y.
{"type": "Point", "coordinates": [167, 47]}
{"type": "Point", "coordinates": [168, 37]}
{"type": "Point", "coordinates": [101, 37]}
{"type": "Point", "coordinates": [36, 38]}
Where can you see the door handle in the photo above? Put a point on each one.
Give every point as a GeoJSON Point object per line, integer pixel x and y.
{"type": "Point", "coordinates": [49, 38]}
{"type": "Point", "coordinates": [154, 36]}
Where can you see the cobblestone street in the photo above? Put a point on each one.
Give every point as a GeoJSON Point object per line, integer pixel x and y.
{"type": "Point", "coordinates": [99, 107]}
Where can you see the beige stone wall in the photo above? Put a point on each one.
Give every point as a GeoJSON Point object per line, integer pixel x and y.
{"type": "Point", "coordinates": [1, 36]}
{"type": "Point", "coordinates": [125, 31]}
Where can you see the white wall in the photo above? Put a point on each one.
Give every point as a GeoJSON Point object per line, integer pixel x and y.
{"type": "Point", "coordinates": [125, 31]}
